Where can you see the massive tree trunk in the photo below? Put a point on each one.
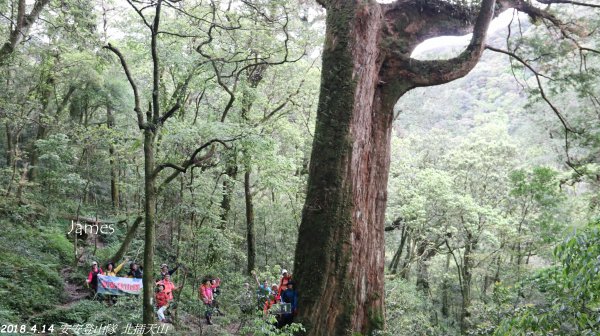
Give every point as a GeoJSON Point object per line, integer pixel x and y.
{"type": "Point", "coordinates": [339, 261]}
{"type": "Point", "coordinates": [340, 255]}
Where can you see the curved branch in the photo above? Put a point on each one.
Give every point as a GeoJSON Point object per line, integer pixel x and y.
{"type": "Point", "coordinates": [227, 89]}
{"type": "Point", "coordinates": [169, 113]}
{"type": "Point", "coordinates": [428, 73]}
{"type": "Point", "coordinates": [191, 162]}
{"type": "Point", "coordinates": [137, 108]}
{"type": "Point", "coordinates": [140, 14]}
{"type": "Point", "coordinates": [562, 119]}
{"type": "Point", "coordinates": [421, 20]}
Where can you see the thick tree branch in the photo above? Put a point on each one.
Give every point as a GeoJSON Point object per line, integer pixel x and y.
{"type": "Point", "coordinates": [428, 73]}
{"type": "Point", "coordinates": [23, 24]}
{"type": "Point", "coordinates": [193, 160]}
{"type": "Point", "coordinates": [169, 113]}
{"type": "Point", "coordinates": [136, 97]}
{"type": "Point", "coordinates": [418, 20]}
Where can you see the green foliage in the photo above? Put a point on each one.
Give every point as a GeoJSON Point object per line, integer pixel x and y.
{"type": "Point", "coordinates": [571, 288]}
{"type": "Point", "coordinates": [408, 312]}
{"type": "Point", "coordinates": [29, 270]}
{"type": "Point", "coordinates": [265, 326]}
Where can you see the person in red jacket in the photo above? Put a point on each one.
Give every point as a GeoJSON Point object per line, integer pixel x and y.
{"type": "Point", "coordinates": [205, 293]}
{"type": "Point", "coordinates": [274, 298]}
{"type": "Point", "coordinates": [162, 303]}
{"type": "Point", "coordinates": [169, 286]}
{"type": "Point", "coordinates": [92, 279]}
{"type": "Point", "coordinates": [285, 279]}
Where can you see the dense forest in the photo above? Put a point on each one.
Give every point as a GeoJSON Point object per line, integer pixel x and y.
{"type": "Point", "coordinates": [409, 182]}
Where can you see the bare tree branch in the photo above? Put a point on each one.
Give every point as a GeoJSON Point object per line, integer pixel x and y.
{"type": "Point", "coordinates": [137, 108]}
{"type": "Point", "coordinates": [562, 119]}
{"type": "Point", "coordinates": [169, 113]}
{"type": "Point", "coordinates": [141, 15]}
{"type": "Point", "coordinates": [193, 161]}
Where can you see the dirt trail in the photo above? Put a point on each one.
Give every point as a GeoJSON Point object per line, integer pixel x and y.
{"type": "Point", "coordinates": [75, 292]}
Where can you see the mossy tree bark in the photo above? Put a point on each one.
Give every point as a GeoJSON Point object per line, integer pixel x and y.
{"type": "Point", "coordinates": [339, 261]}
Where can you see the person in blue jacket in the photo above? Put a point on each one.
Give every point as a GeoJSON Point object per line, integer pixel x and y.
{"type": "Point", "coordinates": [289, 296]}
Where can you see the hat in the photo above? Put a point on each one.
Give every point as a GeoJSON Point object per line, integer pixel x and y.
{"type": "Point", "coordinates": [94, 263]}
{"type": "Point", "coordinates": [164, 265]}
{"type": "Point", "coordinates": [283, 271]}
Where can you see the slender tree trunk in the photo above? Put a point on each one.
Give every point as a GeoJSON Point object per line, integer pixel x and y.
{"type": "Point", "coordinates": [41, 125]}
{"type": "Point", "coordinates": [425, 255]}
{"type": "Point", "coordinates": [466, 270]}
{"type": "Point", "coordinates": [407, 262]}
{"type": "Point", "coordinates": [446, 287]}
{"type": "Point", "coordinates": [149, 222]}
{"type": "Point", "coordinates": [128, 238]}
{"type": "Point", "coordinates": [231, 173]}
{"type": "Point", "coordinates": [114, 172]}
{"type": "Point", "coordinates": [250, 229]}
{"type": "Point", "coordinates": [9, 146]}
{"type": "Point", "coordinates": [396, 259]}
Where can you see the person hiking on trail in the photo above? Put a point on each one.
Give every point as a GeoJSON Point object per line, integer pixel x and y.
{"type": "Point", "coordinates": [135, 271]}
{"type": "Point", "coordinates": [285, 278]}
{"type": "Point", "coordinates": [215, 285]}
{"type": "Point", "coordinates": [111, 270]}
{"type": "Point", "coordinates": [169, 286]}
{"type": "Point", "coordinates": [271, 300]}
{"type": "Point", "coordinates": [263, 291]}
{"type": "Point", "coordinates": [205, 294]}
{"type": "Point", "coordinates": [92, 279]}
{"type": "Point", "coordinates": [289, 296]}
{"type": "Point", "coordinates": [164, 269]}
{"type": "Point", "coordinates": [162, 303]}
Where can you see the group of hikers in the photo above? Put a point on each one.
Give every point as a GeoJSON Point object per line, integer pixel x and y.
{"type": "Point", "coordinates": [282, 296]}
{"type": "Point", "coordinates": [280, 299]}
